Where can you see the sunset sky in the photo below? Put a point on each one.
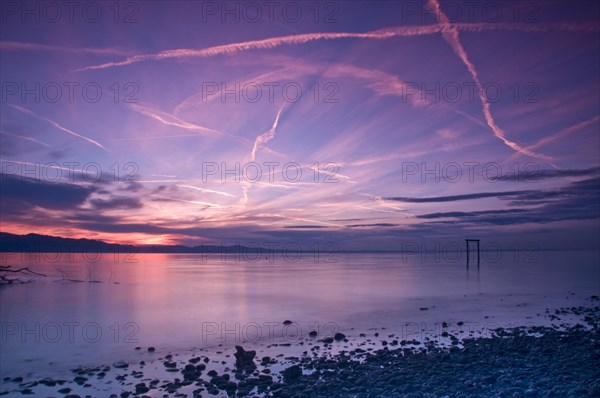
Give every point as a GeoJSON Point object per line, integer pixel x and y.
{"type": "Point", "coordinates": [406, 120]}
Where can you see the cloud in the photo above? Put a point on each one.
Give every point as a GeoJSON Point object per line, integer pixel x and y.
{"type": "Point", "coordinates": [577, 201]}
{"type": "Point", "coordinates": [372, 225]}
{"type": "Point", "coordinates": [119, 202]}
{"type": "Point", "coordinates": [454, 198]}
{"type": "Point", "coordinates": [123, 227]}
{"type": "Point", "coordinates": [459, 214]}
{"type": "Point", "coordinates": [193, 202]}
{"type": "Point", "coordinates": [537, 175]}
{"type": "Point", "coordinates": [131, 186]}
{"type": "Point", "coordinates": [29, 192]}
{"type": "Point", "coordinates": [305, 226]}
{"type": "Point", "coordinates": [575, 190]}
{"type": "Point", "coordinates": [381, 83]}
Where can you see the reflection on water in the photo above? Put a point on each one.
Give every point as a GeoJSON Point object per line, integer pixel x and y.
{"type": "Point", "coordinates": [179, 301]}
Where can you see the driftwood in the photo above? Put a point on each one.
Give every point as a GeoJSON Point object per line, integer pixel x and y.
{"type": "Point", "coordinates": [6, 271]}
{"type": "Point", "coordinates": [67, 278]}
{"type": "Point", "coordinates": [8, 276]}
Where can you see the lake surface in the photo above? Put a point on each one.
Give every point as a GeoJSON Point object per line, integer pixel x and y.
{"type": "Point", "coordinates": [176, 302]}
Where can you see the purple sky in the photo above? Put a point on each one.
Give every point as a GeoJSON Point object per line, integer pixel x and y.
{"type": "Point", "coordinates": [364, 123]}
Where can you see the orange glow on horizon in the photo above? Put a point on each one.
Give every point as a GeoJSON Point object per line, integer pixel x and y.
{"type": "Point", "coordinates": [74, 233]}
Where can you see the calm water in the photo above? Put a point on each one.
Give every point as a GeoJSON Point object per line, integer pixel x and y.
{"type": "Point", "coordinates": [176, 302]}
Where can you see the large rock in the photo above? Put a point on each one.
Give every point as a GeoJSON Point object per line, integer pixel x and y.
{"type": "Point", "coordinates": [120, 364]}
{"type": "Point", "coordinates": [244, 360]}
{"type": "Point", "coordinates": [292, 373]}
{"type": "Point", "coordinates": [339, 336]}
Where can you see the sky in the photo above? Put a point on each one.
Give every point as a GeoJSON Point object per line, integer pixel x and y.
{"type": "Point", "coordinates": [358, 124]}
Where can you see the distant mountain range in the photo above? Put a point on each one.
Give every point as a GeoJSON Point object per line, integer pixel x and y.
{"type": "Point", "coordinates": [54, 244]}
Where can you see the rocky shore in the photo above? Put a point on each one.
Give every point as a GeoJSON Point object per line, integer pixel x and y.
{"type": "Point", "coordinates": [537, 361]}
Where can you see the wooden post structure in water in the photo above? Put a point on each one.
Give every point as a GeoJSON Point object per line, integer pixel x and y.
{"type": "Point", "coordinates": [468, 245]}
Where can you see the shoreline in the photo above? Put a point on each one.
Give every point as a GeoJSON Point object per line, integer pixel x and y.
{"type": "Point", "coordinates": [523, 361]}
{"type": "Point", "coordinates": [38, 355]}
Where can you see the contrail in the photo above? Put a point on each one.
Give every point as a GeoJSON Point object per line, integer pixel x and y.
{"type": "Point", "coordinates": [205, 190]}
{"type": "Point", "coordinates": [23, 46]}
{"type": "Point", "coordinates": [194, 202]}
{"type": "Point", "coordinates": [561, 134]}
{"type": "Point", "coordinates": [259, 142]}
{"type": "Point", "coordinates": [382, 82]}
{"type": "Point", "coordinates": [386, 33]}
{"type": "Point", "coordinates": [58, 126]}
{"type": "Point", "coordinates": [171, 120]}
{"type": "Point", "coordinates": [265, 137]}
{"type": "Point", "coordinates": [25, 138]}
{"type": "Point", "coordinates": [269, 43]}
{"type": "Point", "coordinates": [302, 219]}
{"type": "Point", "coordinates": [528, 27]}
{"type": "Point", "coordinates": [450, 34]}
{"type": "Point", "coordinates": [566, 132]}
